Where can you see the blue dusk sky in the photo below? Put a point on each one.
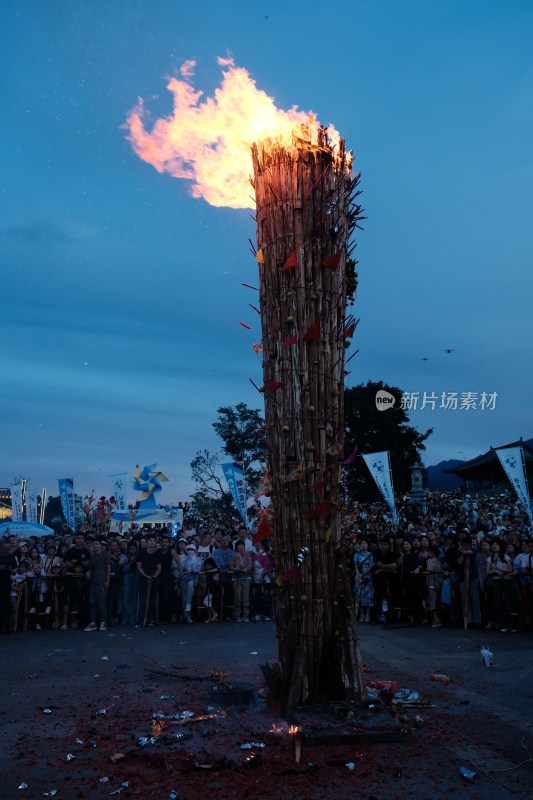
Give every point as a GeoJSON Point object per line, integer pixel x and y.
{"type": "Point", "coordinates": [121, 293]}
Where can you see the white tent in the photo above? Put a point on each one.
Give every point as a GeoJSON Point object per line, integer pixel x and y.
{"type": "Point", "coordinates": [25, 529]}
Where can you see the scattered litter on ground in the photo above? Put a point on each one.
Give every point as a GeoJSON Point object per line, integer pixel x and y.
{"type": "Point", "coordinates": [467, 774]}
{"type": "Point", "coordinates": [439, 676]}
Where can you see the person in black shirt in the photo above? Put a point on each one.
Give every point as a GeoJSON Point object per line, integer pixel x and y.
{"type": "Point", "coordinates": [149, 568]}
{"type": "Point", "coordinates": [386, 580]}
{"type": "Point", "coordinates": [167, 588]}
{"type": "Point", "coordinates": [77, 554]}
{"type": "Point", "coordinates": [8, 565]}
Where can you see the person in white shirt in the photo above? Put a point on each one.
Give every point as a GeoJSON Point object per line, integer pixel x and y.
{"type": "Point", "coordinates": [242, 536]}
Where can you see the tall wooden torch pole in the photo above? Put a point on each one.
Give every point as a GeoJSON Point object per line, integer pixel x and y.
{"type": "Point", "coordinates": [305, 214]}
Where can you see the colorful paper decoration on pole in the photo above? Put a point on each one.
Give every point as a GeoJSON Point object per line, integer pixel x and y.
{"type": "Point", "coordinates": [264, 531]}
{"type": "Point", "coordinates": [265, 487]}
{"type": "Point", "coordinates": [313, 334]}
{"type": "Point", "coordinates": [333, 261]}
{"type": "Point", "coordinates": [290, 575]}
{"type": "Point", "coordinates": [260, 257]}
{"type": "Point", "coordinates": [294, 474]}
{"type": "Point", "coordinates": [289, 341]}
{"type": "Point", "coordinates": [273, 385]}
{"type": "Point", "coordinates": [349, 331]}
{"type": "Point", "coordinates": [290, 261]}
{"type": "Point", "coordinates": [322, 509]}
{"type": "Point", "coordinates": [351, 458]}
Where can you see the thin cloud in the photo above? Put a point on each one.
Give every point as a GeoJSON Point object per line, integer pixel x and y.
{"type": "Point", "coordinates": [37, 233]}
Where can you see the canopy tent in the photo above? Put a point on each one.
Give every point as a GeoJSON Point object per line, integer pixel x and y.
{"type": "Point", "coordinates": [25, 529]}
{"type": "Point", "coordinates": [169, 514]}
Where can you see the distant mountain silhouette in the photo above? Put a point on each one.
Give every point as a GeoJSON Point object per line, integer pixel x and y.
{"type": "Point", "coordinates": [438, 480]}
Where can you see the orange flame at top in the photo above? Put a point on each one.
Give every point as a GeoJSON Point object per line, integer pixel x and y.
{"type": "Point", "coordinates": [210, 142]}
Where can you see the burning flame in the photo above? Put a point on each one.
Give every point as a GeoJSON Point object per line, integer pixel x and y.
{"type": "Point", "coordinates": [294, 729]}
{"type": "Point", "coordinates": [209, 142]}
{"type": "Point", "coordinates": [276, 729]}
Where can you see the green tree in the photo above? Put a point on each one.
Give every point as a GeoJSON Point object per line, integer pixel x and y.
{"type": "Point", "coordinates": [373, 430]}
{"type": "Point", "coordinates": [53, 513]}
{"type": "Point", "coordinates": [211, 498]}
{"type": "Point", "coordinates": [242, 431]}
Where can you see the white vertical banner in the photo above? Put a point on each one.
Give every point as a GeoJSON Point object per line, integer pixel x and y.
{"type": "Point", "coordinates": [512, 460]}
{"type": "Point", "coordinates": [16, 501]}
{"type": "Point", "coordinates": [234, 474]}
{"type": "Point", "coordinates": [119, 490]}
{"type": "Point", "coordinates": [380, 468]}
{"type": "Point", "coordinates": [32, 496]}
{"type": "Point", "coordinates": [66, 493]}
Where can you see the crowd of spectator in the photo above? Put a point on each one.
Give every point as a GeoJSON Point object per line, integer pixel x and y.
{"type": "Point", "coordinates": [140, 578]}
{"type": "Point", "coordinates": [461, 560]}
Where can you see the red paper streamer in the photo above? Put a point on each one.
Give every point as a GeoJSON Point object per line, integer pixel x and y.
{"type": "Point", "coordinates": [291, 574]}
{"type": "Point", "coordinates": [290, 261]}
{"type": "Point", "coordinates": [349, 331]}
{"type": "Point", "coordinates": [322, 509]}
{"type": "Point", "coordinates": [272, 385]}
{"type": "Point", "coordinates": [333, 261]}
{"type": "Point", "coordinates": [313, 334]}
{"type": "Point", "coordinates": [264, 531]}
{"type": "Point", "coordinates": [244, 325]}
{"type": "Point", "coordinates": [290, 340]}
{"type": "Point", "coordinates": [351, 458]}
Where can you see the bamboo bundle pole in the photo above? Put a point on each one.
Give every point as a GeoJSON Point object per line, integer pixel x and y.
{"type": "Point", "coordinates": [304, 217]}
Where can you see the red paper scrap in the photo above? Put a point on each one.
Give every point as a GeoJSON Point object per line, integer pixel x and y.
{"type": "Point", "coordinates": [322, 509]}
{"type": "Point", "coordinates": [291, 573]}
{"type": "Point", "coordinates": [264, 531]}
{"type": "Point", "coordinates": [313, 334]}
{"type": "Point", "coordinates": [349, 331]}
{"type": "Point", "coordinates": [273, 385]}
{"type": "Point", "coordinates": [333, 261]}
{"type": "Point", "coordinates": [290, 261]}
{"type": "Point", "coordinates": [351, 457]}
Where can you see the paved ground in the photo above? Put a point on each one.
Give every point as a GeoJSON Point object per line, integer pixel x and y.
{"type": "Point", "coordinates": [482, 719]}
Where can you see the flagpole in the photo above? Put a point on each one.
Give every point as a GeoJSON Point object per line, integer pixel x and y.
{"type": "Point", "coordinates": [246, 520]}
{"type": "Point", "coordinates": [245, 497]}
{"type": "Point", "coordinates": [43, 506]}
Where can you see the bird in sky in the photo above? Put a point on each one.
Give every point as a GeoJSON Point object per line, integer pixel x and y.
{"type": "Point", "coordinates": [425, 358]}
{"type": "Point", "coordinates": [448, 350]}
